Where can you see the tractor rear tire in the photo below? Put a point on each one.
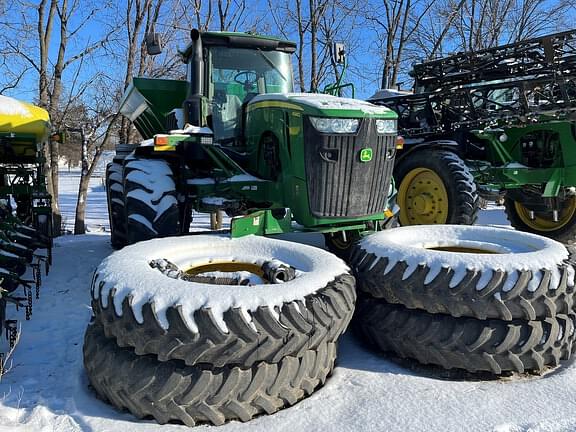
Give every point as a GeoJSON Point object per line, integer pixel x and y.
{"type": "Point", "coordinates": [116, 209]}
{"type": "Point", "coordinates": [533, 281]}
{"type": "Point", "coordinates": [150, 199]}
{"type": "Point", "coordinates": [543, 224]}
{"type": "Point", "coordinates": [220, 324]}
{"type": "Point", "coordinates": [466, 343]}
{"type": "Point", "coordinates": [171, 391]}
{"type": "Point", "coordinates": [435, 187]}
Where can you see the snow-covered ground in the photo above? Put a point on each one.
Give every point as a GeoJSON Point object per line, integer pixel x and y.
{"type": "Point", "coordinates": [46, 388]}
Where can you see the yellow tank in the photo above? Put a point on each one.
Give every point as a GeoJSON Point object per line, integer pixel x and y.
{"type": "Point", "coordinates": [23, 128]}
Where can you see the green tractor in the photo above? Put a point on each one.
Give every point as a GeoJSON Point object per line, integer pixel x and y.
{"type": "Point", "coordinates": [235, 137]}
{"type": "Point", "coordinates": [497, 123]}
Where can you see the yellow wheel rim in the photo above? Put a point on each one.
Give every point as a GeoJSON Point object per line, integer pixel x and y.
{"type": "Point", "coordinates": [422, 198]}
{"type": "Point", "coordinates": [544, 221]}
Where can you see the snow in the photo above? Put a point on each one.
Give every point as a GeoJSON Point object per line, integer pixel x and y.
{"type": "Point", "coordinates": [244, 178]}
{"type": "Point", "coordinates": [323, 101]}
{"type": "Point", "coordinates": [512, 252]}
{"type": "Point", "coordinates": [513, 165]}
{"type": "Point", "coordinates": [201, 181]}
{"type": "Point", "coordinates": [189, 129]}
{"type": "Point", "coordinates": [46, 389]}
{"type": "Point", "coordinates": [214, 201]}
{"type": "Point", "coordinates": [142, 220]}
{"type": "Point", "coordinates": [388, 93]}
{"type": "Point", "coordinates": [165, 203]}
{"type": "Point", "coordinates": [7, 254]}
{"type": "Point", "coordinates": [128, 273]}
{"type": "Point", "coordinates": [233, 179]}
{"type": "Point", "coordinates": [10, 106]}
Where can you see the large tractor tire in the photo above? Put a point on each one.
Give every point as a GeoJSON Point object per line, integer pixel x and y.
{"type": "Point", "coordinates": [474, 271]}
{"type": "Point", "coordinates": [435, 187]}
{"type": "Point", "coordinates": [466, 343]}
{"type": "Point", "coordinates": [116, 209]}
{"type": "Point", "coordinates": [215, 322]}
{"type": "Point", "coordinates": [171, 391]}
{"type": "Point", "coordinates": [543, 223]}
{"type": "Point", "coordinates": [150, 199]}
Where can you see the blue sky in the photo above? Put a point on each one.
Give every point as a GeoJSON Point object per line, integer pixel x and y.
{"type": "Point", "coordinates": [362, 58]}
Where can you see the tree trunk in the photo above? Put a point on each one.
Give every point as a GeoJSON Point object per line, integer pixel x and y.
{"type": "Point", "coordinates": [300, 46]}
{"type": "Point", "coordinates": [79, 222]}
{"type": "Point", "coordinates": [313, 43]}
{"type": "Point", "coordinates": [56, 216]}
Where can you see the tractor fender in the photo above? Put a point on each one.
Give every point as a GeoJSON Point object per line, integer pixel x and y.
{"type": "Point", "coordinates": [411, 148]}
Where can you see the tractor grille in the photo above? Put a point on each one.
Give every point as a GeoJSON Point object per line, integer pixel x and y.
{"type": "Point", "coordinates": [339, 184]}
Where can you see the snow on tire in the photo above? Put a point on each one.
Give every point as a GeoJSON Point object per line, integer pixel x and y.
{"type": "Point", "coordinates": [466, 343]}
{"type": "Point", "coordinates": [475, 271]}
{"type": "Point", "coordinates": [171, 391]}
{"type": "Point", "coordinates": [222, 324]}
{"type": "Point", "coordinates": [150, 199]}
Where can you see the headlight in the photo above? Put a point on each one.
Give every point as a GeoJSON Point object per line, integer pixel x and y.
{"type": "Point", "coordinates": [335, 125]}
{"type": "Point", "coordinates": [386, 126]}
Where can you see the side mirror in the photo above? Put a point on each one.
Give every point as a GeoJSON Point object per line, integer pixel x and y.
{"type": "Point", "coordinates": [339, 53]}
{"type": "Point", "coordinates": [153, 43]}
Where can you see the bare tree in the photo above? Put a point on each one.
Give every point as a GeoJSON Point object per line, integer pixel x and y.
{"type": "Point", "coordinates": [100, 128]}
{"type": "Point", "coordinates": [471, 25]}
{"type": "Point", "coordinates": [315, 26]}
{"type": "Point", "coordinates": [31, 42]}
{"type": "Point", "coordinates": [394, 22]}
{"type": "Point", "coordinates": [95, 132]}
{"type": "Point", "coordinates": [136, 13]}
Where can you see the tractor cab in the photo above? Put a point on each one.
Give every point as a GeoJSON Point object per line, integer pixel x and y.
{"type": "Point", "coordinates": [226, 71]}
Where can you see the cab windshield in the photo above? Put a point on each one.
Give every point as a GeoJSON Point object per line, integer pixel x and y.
{"type": "Point", "coordinates": [237, 75]}
{"type": "Point", "coordinates": [241, 71]}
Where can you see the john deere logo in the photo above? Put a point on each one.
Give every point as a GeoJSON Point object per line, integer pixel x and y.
{"type": "Point", "coordinates": [366, 155]}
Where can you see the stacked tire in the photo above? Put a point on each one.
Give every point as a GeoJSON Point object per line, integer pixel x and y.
{"type": "Point", "coordinates": [480, 299]}
{"type": "Point", "coordinates": [164, 347]}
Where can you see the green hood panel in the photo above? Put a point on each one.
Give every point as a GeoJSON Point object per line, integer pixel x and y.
{"type": "Point", "coordinates": [323, 105]}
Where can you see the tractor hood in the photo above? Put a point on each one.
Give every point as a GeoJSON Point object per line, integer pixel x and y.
{"type": "Point", "coordinates": [321, 105]}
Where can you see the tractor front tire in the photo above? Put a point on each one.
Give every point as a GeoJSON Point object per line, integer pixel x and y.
{"type": "Point", "coordinates": [171, 391]}
{"type": "Point", "coordinates": [150, 199]}
{"type": "Point", "coordinates": [215, 323]}
{"type": "Point", "coordinates": [435, 187]}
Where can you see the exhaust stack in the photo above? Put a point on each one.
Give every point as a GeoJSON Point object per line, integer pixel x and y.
{"type": "Point", "coordinates": [193, 103]}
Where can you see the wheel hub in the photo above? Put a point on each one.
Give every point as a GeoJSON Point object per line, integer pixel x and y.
{"type": "Point", "coordinates": [423, 204]}
{"type": "Point", "coordinates": [423, 198]}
